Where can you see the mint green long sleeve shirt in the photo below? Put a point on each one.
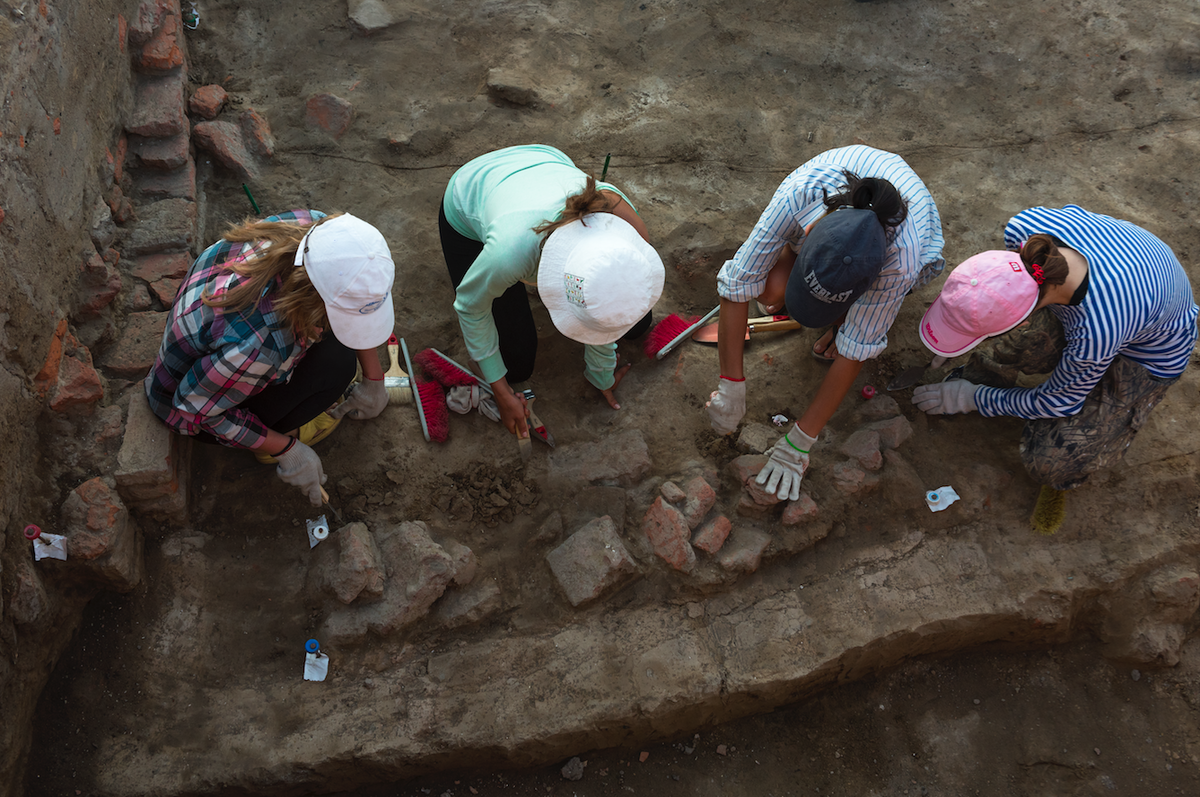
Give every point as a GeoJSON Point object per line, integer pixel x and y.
{"type": "Point", "coordinates": [498, 199]}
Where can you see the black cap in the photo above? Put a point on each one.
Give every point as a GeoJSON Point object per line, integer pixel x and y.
{"type": "Point", "coordinates": [836, 264]}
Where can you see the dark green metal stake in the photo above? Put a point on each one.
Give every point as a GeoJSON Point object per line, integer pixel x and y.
{"type": "Point", "coordinates": [604, 173]}
{"type": "Point", "coordinates": [250, 196]}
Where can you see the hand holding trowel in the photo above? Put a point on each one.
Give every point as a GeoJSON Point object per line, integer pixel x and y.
{"type": "Point", "coordinates": [769, 323]}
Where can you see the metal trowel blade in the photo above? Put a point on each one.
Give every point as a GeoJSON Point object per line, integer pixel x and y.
{"type": "Point", "coordinates": [907, 378]}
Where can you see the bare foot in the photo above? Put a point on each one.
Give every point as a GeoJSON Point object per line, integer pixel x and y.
{"type": "Point", "coordinates": [826, 346]}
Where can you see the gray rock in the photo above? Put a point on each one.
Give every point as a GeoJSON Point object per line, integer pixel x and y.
{"type": "Point", "coordinates": [591, 562]}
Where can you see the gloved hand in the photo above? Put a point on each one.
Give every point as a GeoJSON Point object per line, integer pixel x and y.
{"type": "Point", "coordinates": [300, 466]}
{"type": "Point", "coordinates": [464, 398]}
{"type": "Point", "coordinates": [789, 460]}
{"type": "Point", "coordinates": [727, 405]}
{"type": "Point", "coordinates": [946, 398]}
{"type": "Point", "coordinates": [367, 399]}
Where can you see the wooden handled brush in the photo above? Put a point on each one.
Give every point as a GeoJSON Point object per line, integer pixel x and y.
{"type": "Point", "coordinates": [398, 384]}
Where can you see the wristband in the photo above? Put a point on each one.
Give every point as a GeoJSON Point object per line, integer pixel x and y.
{"type": "Point", "coordinates": [373, 379]}
{"type": "Point", "coordinates": [287, 448]}
{"type": "Point", "coordinates": [731, 379]}
{"type": "Point", "coordinates": [793, 445]}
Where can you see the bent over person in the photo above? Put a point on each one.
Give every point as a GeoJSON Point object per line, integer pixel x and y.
{"type": "Point", "coordinates": [527, 215]}
{"type": "Point", "coordinates": [845, 238]}
{"type": "Point", "coordinates": [264, 335]}
{"type": "Point", "coordinates": [1128, 326]}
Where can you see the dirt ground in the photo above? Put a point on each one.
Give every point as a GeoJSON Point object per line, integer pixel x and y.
{"type": "Point", "coordinates": [704, 108]}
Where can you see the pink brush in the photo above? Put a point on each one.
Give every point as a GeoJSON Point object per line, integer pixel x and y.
{"type": "Point", "coordinates": [447, 372]}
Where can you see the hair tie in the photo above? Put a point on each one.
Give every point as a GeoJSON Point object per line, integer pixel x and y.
{"type": "Point", "coordinates": [1038, 276]}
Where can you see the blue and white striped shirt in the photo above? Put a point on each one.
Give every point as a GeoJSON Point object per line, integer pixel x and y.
{"type": "Point", "coordinates": [1138, 304]}
{"type": "Point", "coordinates": [914, 255]}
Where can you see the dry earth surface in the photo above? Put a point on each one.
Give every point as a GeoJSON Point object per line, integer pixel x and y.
{"type": "Point", "coordinates": [191, 684]}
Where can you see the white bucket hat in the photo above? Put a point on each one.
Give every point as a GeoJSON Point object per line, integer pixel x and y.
{"type": "Point", "coordinates": [598, 278]}
{"type": "Point", "coordinates": [349, 264]}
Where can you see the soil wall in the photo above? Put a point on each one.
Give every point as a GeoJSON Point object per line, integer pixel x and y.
{"type": "Point", "coordinates": [66, 89]}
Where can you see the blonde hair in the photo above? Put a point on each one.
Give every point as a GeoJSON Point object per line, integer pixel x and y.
{"type": "Point", "coordinates": [589, 200]}
{"type": "Point", "coordinates": [294, 298]}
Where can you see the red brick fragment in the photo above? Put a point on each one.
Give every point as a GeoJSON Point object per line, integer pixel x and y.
{"type": "Point", "coordinates": [207, 101]}
{"type": "Point", "coordinates": [329, 113]}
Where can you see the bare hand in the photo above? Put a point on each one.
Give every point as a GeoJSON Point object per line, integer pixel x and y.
{"type": "Point", "coordinates": [618, 375]}
{"type": "Point", "coordinates": [513, 412]}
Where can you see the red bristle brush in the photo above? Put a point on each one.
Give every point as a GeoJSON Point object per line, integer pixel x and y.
{"type": "Point", "coordinates": [446, 371]}
{"type": "Point", "coordinates": [671, 331]}
{"type": "Point", "coordinates": [431, 403]}
{"type": "Point", "coordinates": [435, 416]}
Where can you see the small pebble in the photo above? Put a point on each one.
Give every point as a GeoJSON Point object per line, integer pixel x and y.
{"type": "Point", "coordinates": [1096, 750]}
{"type": "Point", "coordinates": [1136, 675]}
{"type": "Point", "coordinates": [977, 701]}
{"type": "Point", "coordinates": [643, 756]}
{"type": "Point", "coordinates": [720, 749]}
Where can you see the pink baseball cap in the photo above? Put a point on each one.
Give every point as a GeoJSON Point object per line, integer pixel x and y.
{"type": "Point", "coordinates": [987, 295]}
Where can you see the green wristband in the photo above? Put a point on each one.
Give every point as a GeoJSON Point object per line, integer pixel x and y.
{"type": "Point", "coordinates": [793, 445]}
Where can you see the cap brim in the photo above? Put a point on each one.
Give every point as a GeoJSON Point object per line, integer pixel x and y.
{"type": "Point", "coordinates": [363, 331]}
{"type": "Point", "coordinates": [941, 339]}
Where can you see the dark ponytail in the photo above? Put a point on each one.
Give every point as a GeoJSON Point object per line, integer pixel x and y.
{"type": "Point", "coordinates": [1039, 254]}
{"type": "Point", "coordinates": [589, 200]}
{"type": "Point", "coordinates": [871, 193]}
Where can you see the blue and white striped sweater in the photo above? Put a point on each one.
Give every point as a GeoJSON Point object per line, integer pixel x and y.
{"type": "Point", "coordinates": [1139, 304]}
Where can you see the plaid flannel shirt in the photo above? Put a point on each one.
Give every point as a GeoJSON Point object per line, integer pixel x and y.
{"type": "Point", "coordinates": [212, 360]}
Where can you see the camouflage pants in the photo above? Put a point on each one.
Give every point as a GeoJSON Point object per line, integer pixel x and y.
{"type": "Point", "coordinates": [1064, 452]}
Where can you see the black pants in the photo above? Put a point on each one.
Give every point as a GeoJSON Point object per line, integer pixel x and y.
{"type": "Point", "coordinates": [510, 311]}
{"type": "Point", "coordinates": [319, 380]}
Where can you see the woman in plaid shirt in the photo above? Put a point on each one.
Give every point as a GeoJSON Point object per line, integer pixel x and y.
{"type": "Point", "coordinates": [245, 360]}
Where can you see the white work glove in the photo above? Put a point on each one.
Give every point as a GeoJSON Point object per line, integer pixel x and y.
{"type": "Point", "coordinates": [727, 405]}
{"type": "Point", "coordinates": [464, 398]}
{"type": "Point", "coordinates": [300, 466]}
{"type": "Point", "coordinates": [789, 460]}
{"type": "Point", "coordinates": [946, 398]}
{"type": "Point", "coordinates": [366, 400]}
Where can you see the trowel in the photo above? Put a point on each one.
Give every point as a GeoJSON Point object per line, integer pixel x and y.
{"type": "Point", "coordinates": [910, 376]}
{"type": "Point", "coordinates": [770, 323]}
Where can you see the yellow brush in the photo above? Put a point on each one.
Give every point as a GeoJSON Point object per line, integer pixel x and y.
{"type": "Point", "coordinates": [399, 386]}
{"type": "Point", "coordinates": [1051, 510]}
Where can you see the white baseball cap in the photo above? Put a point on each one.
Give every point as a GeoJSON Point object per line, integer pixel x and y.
{"type": "Point", "coordinates": [349, 264]}
{"type": "Point", "coordinates": [598, 278]}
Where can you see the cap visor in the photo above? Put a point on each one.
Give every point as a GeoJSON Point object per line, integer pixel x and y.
{"type": "Point", "coordinates": [939, 338]}
{"type": "Point", "coordinates": [361, 332]}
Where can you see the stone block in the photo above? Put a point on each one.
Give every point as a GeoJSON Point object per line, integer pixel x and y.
{"type": "Point", "coordinates": [168, 225]}
{"type": "Point", "coordinates": [147, 464]}
{"type": "Point", "coordinates": [711, 536]}
{"type": "Point", "coordinates": [330, 113]}
{"type": "Point", "coordinates": [892, 432]}
{"type": "Point", "coordinates": [743, 553]}
{"type": "Point", "coordinates": [465, 563]}
{"type": "Point", "coordinates": [802, 510]}
{"type": "Point", "coordinates": [149, 18]}
{"type": "Point", "coordinates": [863, 448]}
{"type": "Point", "coordinates": [227, 143]}
{"type": "Point", "coordinates": [257, 133]}
{"type": "Point", "coordinates": [206, 102]}
{"type": "Point", "coordinates": [28, 602]}
{"type": "Point", "coordinates": [879, 408]}
{"type": "Point", "coordinates": [369, 16]}
{"type": "Point", "coordinates": [359, 570]}
{"type": "Point", "coordinates": [169, 152]}
{"type": "Point", "coordinates": [162, 52]}
{"type": "Point", "coordinates": [468, 605]}
{"type": "Point", "coordinates": [668, 532]}
{"type": "Point", "coordinates": [172, 184]}
{"type": "Point", "coordinates": [850, 479]}
{"type": "Point", "coordinates": [158, 107]}
{"type": "Point", "coordinates": [757, 438]}
{"type": "Point", "coordinates": [591, 562]}
{"type": "Point", "coordinates": [103, 229]}
{"type": "Point", "coordinates": [750, 508]}
{"type": "Point", "coordinates": [418, 572]}
{"type": "Point", "coordinates": [672, 493]}
{"type": "Point", "coordinates": [152, 268]}
{"type": "Point", "coordinates": [134, 352]}
{"type": "Point", "coordinates": [103, 543]}
{"type": "Point", "coordinates": [622, 458]}
{"type": "Point", "coordinates": [98, 286]}
{"type": "Point", "coordinates": [78, 384]}
{"type": "Point", "coordinates": [165, 290]}
{"type": "Point", "coordinates": [700, 499]}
